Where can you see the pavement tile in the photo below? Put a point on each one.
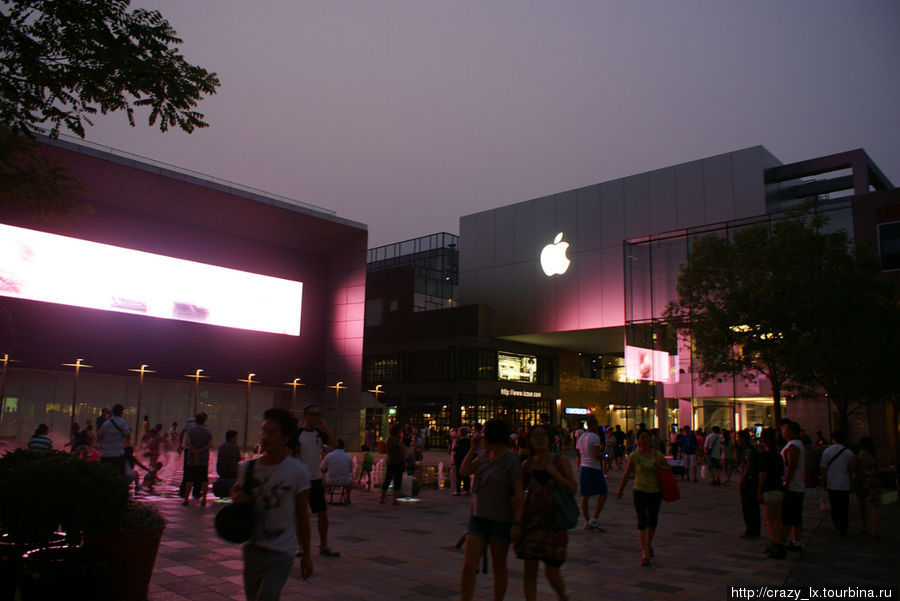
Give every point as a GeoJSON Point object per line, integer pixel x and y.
{"type": "Point", "coordinates": [408, 552]}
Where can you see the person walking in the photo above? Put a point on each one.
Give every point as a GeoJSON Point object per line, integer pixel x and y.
{"type": "Point", "coordinates": [496, 517]}
{"type": "Point", "coordinates": [198, 442]}
{"type": "Point", "coordinates": [645, 464]}
{"type": "Point", "coordinates": [714, 448]}
{"type": "Point", "coordinates": [396, 463]}
{"type": "Point", "coordinates": [689, 454]}
{"type": "Point", "coordinates": [280, 501]}
{"type": "Point", "coordinates": [312, 435]}
{"type": "Point", "coordinates": [114, 435]}
{"type": "Point", "coordinates": [591, 479]}
{"type": "Point", "coordinates": [834, 468]}
{"type": "Point", "coordinates": [542, 540]}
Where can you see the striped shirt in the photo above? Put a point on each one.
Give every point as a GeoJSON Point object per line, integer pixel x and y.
{"type": "Point", "coordinates": [40, 442]}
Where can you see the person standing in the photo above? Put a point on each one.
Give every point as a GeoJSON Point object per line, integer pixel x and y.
{"type": "Point", "coordinates": [496, 518]}
{"type": "Point", "coordinates": [749, 485]}
{"type": "Point", "coordinates": [198, 442]}
{"type": "Point", "coordinates": [771, 492]}
{"type": "Point", "coordinates": [396, 463]}
{"type": "Point", "coordinates": [591, 478]}
{"type": "Point", "coordinates": [834, 468]}
{"type": "Point", "coordinates": [689, 454]}
{"type": "Point", "coordinates": [794, 456]}
{"type": "Point", "coordinates": [460, 451]}
{"type": "Point", "coordinates": [713, 447]}
{"type": "Point", "coordinates": [280, 499]}
{"type": "Point", "coordinates": [542, 540]}
{"type": "Point", "coordinates": [114, 435]}
{"type": "Point", "coordinates": [645, 464]}
{"type": "Point", "coordinates": [311, 436]}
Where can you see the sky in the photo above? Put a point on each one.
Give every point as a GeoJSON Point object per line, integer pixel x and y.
{"type": "Point", "coordinates": [405, 115]}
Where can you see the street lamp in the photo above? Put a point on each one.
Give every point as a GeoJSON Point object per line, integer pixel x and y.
{"type": "Point", "coordinates": [77, 365]}
{"type": "Point", "coordinates": [377, 391]}
{"type": "Point", "coordinates": [196, 375]}
{"type": "Point", "coordinates": [337, 393]}
{"type": "Point", "coordinates": [250, 382]}
{"type": "Point", "coordinates": [137, 420]}
{"type": "Point", "coordinates": [294, 386]}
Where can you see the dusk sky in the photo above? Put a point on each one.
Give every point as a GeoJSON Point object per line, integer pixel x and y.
{"type": "Point", "coordinates": [406, 115]}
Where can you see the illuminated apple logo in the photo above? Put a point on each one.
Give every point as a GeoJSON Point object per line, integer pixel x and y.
{"type": "Point", "coordinates": [553, 257]}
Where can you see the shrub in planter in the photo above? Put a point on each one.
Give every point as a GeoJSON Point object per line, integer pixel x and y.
{"type": "Point", "coordinates": [129, 549]}
{"type": "Point", "coordinates": [45, 492]}
{"type": "Point", "coordinates": [42, 492]}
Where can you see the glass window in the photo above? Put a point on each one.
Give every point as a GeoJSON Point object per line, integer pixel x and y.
{"type": "Point", "coordinates": [889, 245]}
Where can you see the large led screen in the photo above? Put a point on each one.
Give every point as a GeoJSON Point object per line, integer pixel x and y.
{"type": "Point", "coordinates": [57, 269]}
{"type": "Point", "coordinates": [647, 364]}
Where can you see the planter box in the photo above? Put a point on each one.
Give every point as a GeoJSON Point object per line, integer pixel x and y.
{"type": "Point", "coordinates": [130, 555]}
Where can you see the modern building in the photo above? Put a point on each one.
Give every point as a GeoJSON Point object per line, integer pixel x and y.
{"type": "Point", "coordinates": [233, 300]}
{"type": "Point", "coordinates": [589, 271]}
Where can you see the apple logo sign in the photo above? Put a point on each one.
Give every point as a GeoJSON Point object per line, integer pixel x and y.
{"type": "Point", "coordinates": [553, 257]}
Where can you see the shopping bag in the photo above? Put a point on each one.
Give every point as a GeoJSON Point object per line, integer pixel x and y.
{"type": "Point", "coordinates": [668, 486]}
{"type": "Point", "coordinates": [409, 487]}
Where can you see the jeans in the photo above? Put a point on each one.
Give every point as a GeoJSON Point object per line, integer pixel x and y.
{"type": "Point", "coordinates": [265, 573]}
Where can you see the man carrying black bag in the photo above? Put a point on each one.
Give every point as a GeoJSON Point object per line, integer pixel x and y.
{"type": "Point", "coordinates": [280, 499]}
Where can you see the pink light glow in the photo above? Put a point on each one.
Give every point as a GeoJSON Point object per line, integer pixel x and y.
{"type": "Point", "coordinates": [57, 269]}
{"type": "Point", "coordinates": [647, 364]}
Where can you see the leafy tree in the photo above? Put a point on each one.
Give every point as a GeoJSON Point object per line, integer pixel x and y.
{"type": "Point", "coordinates": [62, 61]}
{"type": "Point", "coordinates": [792, 303]}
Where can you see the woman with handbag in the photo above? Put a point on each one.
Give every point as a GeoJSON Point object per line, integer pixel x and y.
{"type": "Point", "coordinates": [645, 463]}
{"type": "Point", "coordinates": [543, 539]}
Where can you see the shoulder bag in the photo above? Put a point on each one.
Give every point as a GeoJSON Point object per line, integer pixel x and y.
{"type": "Point", "coordinates": [668, 486]}
{"type": "Point", "coordinates": [234, 522]}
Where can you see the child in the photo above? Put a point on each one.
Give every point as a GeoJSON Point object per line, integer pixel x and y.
{"type": "Point", "coordinates": [152, 477]}
{"type": "Point", "coordinates": [366, 470]}
{"type": "Point", "coordinates": [130, 463]}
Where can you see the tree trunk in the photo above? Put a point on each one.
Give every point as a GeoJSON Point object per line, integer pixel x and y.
{"type": "Point", "coordinates": [776, 397]}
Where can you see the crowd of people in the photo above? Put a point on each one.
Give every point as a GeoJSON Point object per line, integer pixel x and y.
{"type": "Point", "coordinates": [515, 480]}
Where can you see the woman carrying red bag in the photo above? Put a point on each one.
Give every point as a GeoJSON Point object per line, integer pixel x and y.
{"type": "Point", "coordinates": [645, 463]}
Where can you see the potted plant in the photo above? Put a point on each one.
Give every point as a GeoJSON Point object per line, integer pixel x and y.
{"type": "Point", "coordinates": [47, 500]}
{"type": "Point", "coordinates": [129, 549]}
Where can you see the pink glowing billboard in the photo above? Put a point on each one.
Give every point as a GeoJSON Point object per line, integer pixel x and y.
{"type": "Point", "coordinates": [647, 364]}
{"type": "Point", "coordinates": [57, 269]}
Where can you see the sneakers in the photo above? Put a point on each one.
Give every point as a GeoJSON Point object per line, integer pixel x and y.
{"type": "Point", "coordinates": [794, 546]}
{"type": "Point", "coordinates": [645, 561]}
{"type": "Point", "coordinates": [594, 524]}
{"type": "Point", "coordinates": [326, 551]}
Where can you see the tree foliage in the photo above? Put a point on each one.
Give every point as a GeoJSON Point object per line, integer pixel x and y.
{"type": "Point", "coordinates": [793, 303]}
{"type": "Point", "coordinates": [63, 61]}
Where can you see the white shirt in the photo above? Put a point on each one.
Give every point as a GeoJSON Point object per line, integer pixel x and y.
{"type": "Point", "coordinates": [838, 475]}
{"type": "Point", "coordinates": [586, 443]}
{"type": "Point", "coordinates": [309, 447]}
{"type": "Point", "coordinates": [274, 503]}
{"type": "Point", "coordinates": [339, 468]}
{"type": "Point", "coordinates": [111, 437]}
{"type": "Point", "coordinates": [798, 483]}
{"type": "Point", "coordinates": [713, 444]}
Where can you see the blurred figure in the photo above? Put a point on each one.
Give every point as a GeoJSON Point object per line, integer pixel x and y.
{"type": "Point", "coordinates": [39, 441]}
{"type": "Point", "coordinates": [868, 488]}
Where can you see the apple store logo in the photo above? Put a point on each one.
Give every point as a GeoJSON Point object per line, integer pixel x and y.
{"type": "Point", "coordinates": [553, 258]}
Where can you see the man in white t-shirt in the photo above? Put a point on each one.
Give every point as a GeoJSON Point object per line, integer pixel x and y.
{"type": "Point", "coordinates": [591, 480]}
{"type": "Point", "coordinates": [835, 475]}
{"type": "Point", "coordinates": [338, 469]}
{"type": "Point", "coordinates": [311, 436]}
{"type": "Point", "coordinates": [794, 456]}
{"type": "Point", "coordinates": [114, 436]}
{"type": "Point", "coordinates": [280, 498]}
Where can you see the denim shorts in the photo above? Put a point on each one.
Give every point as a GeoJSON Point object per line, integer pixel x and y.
{"type": "Point", "coordinates": [490, 530]}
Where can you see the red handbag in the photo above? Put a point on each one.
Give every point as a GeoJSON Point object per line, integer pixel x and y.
{"type": "Point", "coordinates": [668, 486]}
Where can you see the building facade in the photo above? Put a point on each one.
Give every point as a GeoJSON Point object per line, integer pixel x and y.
{"type": "Point", "coordinates": [233, 299]}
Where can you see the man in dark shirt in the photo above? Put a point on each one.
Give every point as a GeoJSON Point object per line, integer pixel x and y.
{"type": "Point", "coordinates": [227, 460]}
{"type": "Point", "coordinates": [197, 445]}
